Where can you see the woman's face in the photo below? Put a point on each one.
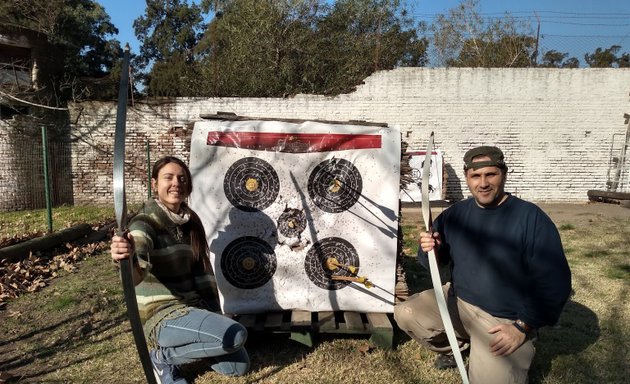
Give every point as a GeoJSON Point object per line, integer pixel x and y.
{"type": "Point", "coordinates": [170, 186]}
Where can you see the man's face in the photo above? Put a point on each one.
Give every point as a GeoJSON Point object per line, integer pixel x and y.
{"type": "Point", "coordinates": [486, 184]}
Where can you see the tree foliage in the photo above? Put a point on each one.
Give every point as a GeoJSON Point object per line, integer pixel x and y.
{"type": "Point", "coordinates": [275, 48]}
{"type": "Point", "coordinates": [462, 38]}
{"type": "Point", "coordinates": [169, 31]}
{"type": "Point", "coordinates": [496, 52]}
{"type": "Point", "coordinates": [79, 31]}
{"type": "Point", "coordinates": [555, 59]}
{"type": "Point", "coordinates": [168, 28]}
{"type": "Point", "coordinates": [259, 48]}
{"type": "Point", "coordinates": [607, 58]}
{"type": "Point", "coordinates": [357, 38]}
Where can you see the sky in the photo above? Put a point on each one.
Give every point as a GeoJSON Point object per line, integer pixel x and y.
{"type": "Point", "coordinates": [573, 26]}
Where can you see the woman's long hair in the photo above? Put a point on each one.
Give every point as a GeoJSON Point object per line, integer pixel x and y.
{"type": "Point", "coordinates": [198, 241]}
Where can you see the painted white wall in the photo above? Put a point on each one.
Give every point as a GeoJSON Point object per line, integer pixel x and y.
{"type": "Point", "coordinates": [555, 126]}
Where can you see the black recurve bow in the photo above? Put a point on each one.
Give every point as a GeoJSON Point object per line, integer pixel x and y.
{"type": "Point", "coordinates": [120, 207]}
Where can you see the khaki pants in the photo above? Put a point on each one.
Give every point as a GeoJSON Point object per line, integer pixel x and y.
{"type": "Point", "coordinates": [419, 317]}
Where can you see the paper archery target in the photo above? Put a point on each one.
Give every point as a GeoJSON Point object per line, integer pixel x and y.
{"type": "Point", "coordinates": [248, 262]}
{"type": "Point", "coordinates": [292, 222]}
{"type": "Point", "coordinates": [290, 206]}
{"type": "Point", "coordinates": [330, 257]}
{"type": "Point", "coordinates": [251, 184]}
{"type": "Point", "coordinates": [335, 185]}
{"type": "Point", "coordinates": [413, 192]}
{"type": "Point", "coordinates": [416, 175]}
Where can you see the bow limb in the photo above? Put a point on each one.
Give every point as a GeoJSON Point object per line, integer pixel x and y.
{"type": "Point", "coordinates": [120, 208]}
{"type": "Point", "coordinates": [433, 266]}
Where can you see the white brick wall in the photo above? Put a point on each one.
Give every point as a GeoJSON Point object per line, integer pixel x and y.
{"type": "Point", "coordinates": [554, 125]}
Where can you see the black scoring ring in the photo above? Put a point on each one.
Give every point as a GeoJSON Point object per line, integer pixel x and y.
{"type": "Point", "coordinates": [416, 175]}
{"type": "Point", "coordinates": [251, 184]}
{"type": "Point", "coordinates": [248, 262]}
{"type": "Point", "coordinates": [292, 222]}
{"type": "Point", "coordinates": [335, 185]}
{"type": "Point", "coordinates": [317, 264]}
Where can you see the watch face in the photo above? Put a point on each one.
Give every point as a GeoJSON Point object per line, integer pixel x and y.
{"type": "Point", "coordinates": [518, 326]}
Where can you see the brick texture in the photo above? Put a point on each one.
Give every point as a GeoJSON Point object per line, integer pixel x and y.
{"type": "Point", "coordinates": [555, 127]}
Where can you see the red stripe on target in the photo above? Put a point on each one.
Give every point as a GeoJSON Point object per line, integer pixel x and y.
{"type": "Point", "coordinates": [293, 142]}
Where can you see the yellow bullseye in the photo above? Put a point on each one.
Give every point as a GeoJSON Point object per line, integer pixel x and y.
{"type": "Point", "coordinates": [335, 186]}
{"type": "Point", "coordinates": [248, 263]}
{"type": "Point", "coordinates": [251, 184]}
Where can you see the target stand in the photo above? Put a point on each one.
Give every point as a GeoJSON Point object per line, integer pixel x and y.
{"type": "Point", "coordinates": [304, 326]}
{"type": "Point", "coordinates": [302, 223]}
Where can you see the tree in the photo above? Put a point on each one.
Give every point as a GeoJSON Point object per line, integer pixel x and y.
{"type": "Point", "coordinates": [168, 28]}
{"type": "Point", "coordinates": [280, 48]}
{"type": "Point", "coordinates": [79, 30]}
{"type": "Point", "coordinates": [255, 48]}
{"type": "Point", "coordinates": [504, 51]}
{"type": "Point", "coordinates": [464, 39]}
{"type": "Point", "coordinates": [555, 59]}
{"type": "Point", "coordinates": [571, 62]}
{"type": "Point", "coordinates": [602, 58]}
{"type": "Point", "coordinates": [168, 32]}
{"type": "Point", "coordinates": [359, 37]}
{"type": "Point", "coordinates": [607, 58]}
{"type": "Point", "coordinates": [176, 77]}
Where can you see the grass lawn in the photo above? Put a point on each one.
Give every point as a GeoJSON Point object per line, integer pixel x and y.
{"type": "Point", "coordinates": [74, 330]}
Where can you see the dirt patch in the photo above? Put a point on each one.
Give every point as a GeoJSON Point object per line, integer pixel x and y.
{"type": "Point", "coordinates": [560, 213]}
{"type": "Point", "coordinates": [585, 212]}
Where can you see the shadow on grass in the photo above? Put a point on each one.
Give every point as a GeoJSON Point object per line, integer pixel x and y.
{"type": "Point", "coordinates": [36, 346]}
{"type": "Point", "coordinates": [577, 329]}
{"type": "Point", "coordinates": [33, 333]}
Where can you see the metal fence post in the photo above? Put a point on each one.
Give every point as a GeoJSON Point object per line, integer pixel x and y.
{"type": "Point", "coordinates": [148, 171]}
{"type": "Point", "coordinates": [47, 179]}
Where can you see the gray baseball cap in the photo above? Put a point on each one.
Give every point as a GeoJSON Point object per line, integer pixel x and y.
{"type": "Point", "coordinates": [494, 153]}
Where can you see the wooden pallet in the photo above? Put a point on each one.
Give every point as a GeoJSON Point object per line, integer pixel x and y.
{"type": "Point", "coordinates": [303, 325]}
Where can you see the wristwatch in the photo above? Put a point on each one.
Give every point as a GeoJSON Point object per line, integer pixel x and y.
{"type": "Point", "coordinates": [521, 326]}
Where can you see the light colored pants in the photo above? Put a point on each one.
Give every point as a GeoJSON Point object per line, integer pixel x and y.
{"type": "Point", "coordinates": [420, 318]}
{"type": "Point", "coordinates": [202, 334]}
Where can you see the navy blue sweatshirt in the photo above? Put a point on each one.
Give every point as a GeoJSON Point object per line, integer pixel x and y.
{"type": "Point", "coordinates": [507, 260]}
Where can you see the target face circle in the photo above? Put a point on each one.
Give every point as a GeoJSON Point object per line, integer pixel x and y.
{"type": "Point", "coordinates": [248, 262]}
{"type": "Point", "coordinates": [292, 222]}
{"type": "Point", "coordinates": [251, 184]}
{"type": "Point", "coordinates": [416, 175]}
{"type": "Point", "coordinates": [331, 256]}
{"type": "Point", "coordinates": [335, 185]}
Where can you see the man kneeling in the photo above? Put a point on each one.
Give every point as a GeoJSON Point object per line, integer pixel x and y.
{"type": "Point", "coordinates": [509, 276]}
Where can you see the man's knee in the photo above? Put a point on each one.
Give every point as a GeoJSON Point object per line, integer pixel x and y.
{"type": "Point", "coordinates": [404, 315]}
{"type": "Point", "coordinates": [487, 368]}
